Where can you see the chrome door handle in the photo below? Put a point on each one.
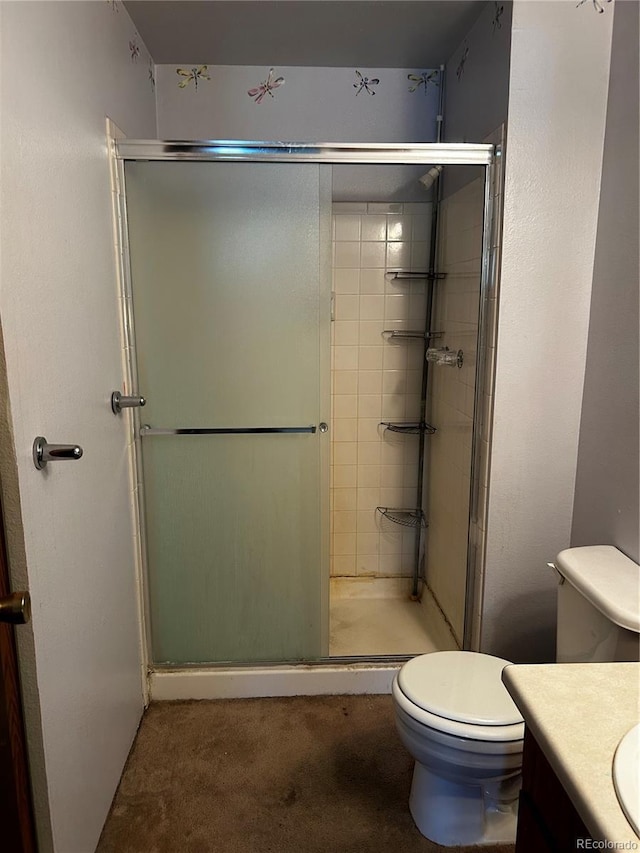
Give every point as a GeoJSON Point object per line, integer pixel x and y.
{"type": "Point", "coordinates": [120, 402]}
{"type": "Point", "coordinates": [15, 608]}
{"type": "Point", "coordinates": [44, 452]}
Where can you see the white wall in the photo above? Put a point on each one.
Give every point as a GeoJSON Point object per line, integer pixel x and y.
{"type": "Point", "coordinates": [477, 78]}
{"type": "Point", "coordinates": [557, 104]}
{"type": "Point", "coordinates": [606, 500]}
{"type": "Point", "coordinates": [313, 105]}
{"type": "Point", "coordinates": [477, 86]}
{"type": "Point", "coordinates": [65, 66]}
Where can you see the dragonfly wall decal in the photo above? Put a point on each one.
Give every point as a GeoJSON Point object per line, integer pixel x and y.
{"type": "Point", "coordinates": [423, 80]}
{"type": "Point", "coordinates": [265, 88]}
{"type": "Point", "coordinates": [597, 5]}
{"type": "Point", "coordinates": [195, 74]}
{"type": "Point", "coordinates": [461, 64]}
{"type": "Point", "coordinates": [498, 12]}
{"type": "Point", "coordinates": [365, 83]}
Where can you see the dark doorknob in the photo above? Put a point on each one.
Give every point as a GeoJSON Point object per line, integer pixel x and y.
{"type": "Point", "coordinates": [15, 608]}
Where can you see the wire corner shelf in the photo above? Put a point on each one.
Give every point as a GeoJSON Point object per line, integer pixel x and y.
{"type": "Point", "coordinates": [409, 428]}
{"type": "Point", "coordinates": [403, 334]}
{"type": "Point", "coordinates": [403, 517]}
{"type": "Point", "coordinates": [414, 275]}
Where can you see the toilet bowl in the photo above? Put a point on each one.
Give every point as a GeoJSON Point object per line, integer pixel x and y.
{"type": "Point", "coordinates": [457, 720]}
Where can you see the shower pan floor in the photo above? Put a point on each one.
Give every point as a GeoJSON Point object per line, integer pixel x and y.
{"type": "Point", "coordinates": [375, 616]}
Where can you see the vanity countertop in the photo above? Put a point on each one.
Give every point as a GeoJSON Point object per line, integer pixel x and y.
{"type": "Point", "coordinates": [578, 714]}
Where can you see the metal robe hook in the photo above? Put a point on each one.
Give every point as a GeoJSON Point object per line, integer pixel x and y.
{"type": "Point", "coordinates": [120, 402]}
{"type": "Point", "coordinates": [43, 452]}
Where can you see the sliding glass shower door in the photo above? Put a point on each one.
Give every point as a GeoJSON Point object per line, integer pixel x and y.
{"type": "Point", "coordinates": [229, 269]}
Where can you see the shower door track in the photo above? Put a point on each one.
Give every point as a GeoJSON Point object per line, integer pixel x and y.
{"type": "Point", "coordinates": [121, 149]}
{"type": "Point", "coordinates": [348, 660]}
{"type": "Point", "coordinates": [425, 154]}
{"type": "Point", "coordinates": [326, 676]}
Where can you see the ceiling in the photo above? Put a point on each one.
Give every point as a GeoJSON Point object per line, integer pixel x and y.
{"type": "Point", "coordinates": [334, 33]}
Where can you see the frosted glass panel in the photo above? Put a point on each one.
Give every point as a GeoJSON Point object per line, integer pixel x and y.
{"type": "Point", "coordinates": [230, 293]}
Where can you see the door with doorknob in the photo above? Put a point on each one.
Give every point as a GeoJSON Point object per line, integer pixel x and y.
{"type": "Point", "coordinates": [16, 821]}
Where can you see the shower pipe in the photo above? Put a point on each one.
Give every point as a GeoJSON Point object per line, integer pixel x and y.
{"type": "Point", "coordinates": [432, 275]}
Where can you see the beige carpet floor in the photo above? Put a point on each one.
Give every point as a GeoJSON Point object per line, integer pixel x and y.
{"type": "Point", "coordinates": [322, 774]}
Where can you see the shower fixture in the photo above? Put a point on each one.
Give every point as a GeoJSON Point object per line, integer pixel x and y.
{"type": "Point", "coordinates": [429, 178]}
{"type": "Point", "coordinates": [445, 356]}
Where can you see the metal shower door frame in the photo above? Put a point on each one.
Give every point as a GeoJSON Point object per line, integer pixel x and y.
{"type": "Point", "coordinates": [427, 154]}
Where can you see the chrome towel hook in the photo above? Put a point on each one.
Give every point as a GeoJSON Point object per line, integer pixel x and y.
{"type": "Point", "coordinates": [120, 402]}
{"type": "Point", "coordinates": [44, 452]}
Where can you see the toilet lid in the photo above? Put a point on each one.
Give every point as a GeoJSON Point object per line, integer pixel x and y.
{"type": "Point", "coordinates": [461, 686]}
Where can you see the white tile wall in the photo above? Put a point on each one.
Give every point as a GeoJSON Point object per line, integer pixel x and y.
{"type": "Point", "coordinates": [374, 379]}
{"type": "Point", "coordinates": [451, 401]}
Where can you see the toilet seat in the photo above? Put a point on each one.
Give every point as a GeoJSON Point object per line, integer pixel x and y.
{"type": "Point", "coordinates": [460, 694]}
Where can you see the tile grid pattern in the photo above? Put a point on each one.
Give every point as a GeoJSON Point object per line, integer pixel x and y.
{"type": "Point", "coordinates": [374, 379]}
{"type": "Point", "coordinates": [451, 400]}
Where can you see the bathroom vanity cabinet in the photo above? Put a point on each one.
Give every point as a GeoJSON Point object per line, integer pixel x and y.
{"type": "Point", "coordinates": [575, 716]}
{"type": "Point", "coordinates": [547, 819]}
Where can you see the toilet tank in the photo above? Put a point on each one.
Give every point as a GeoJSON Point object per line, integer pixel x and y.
{"type": "Point", "coordinates": [598, 606]}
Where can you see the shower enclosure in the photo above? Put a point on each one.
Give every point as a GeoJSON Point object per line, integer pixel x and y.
{"type": "Point", "coordinates": [227, 298]}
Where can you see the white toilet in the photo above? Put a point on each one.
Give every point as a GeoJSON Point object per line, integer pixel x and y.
{"type": "Point", "coordinates": [456, 718]}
